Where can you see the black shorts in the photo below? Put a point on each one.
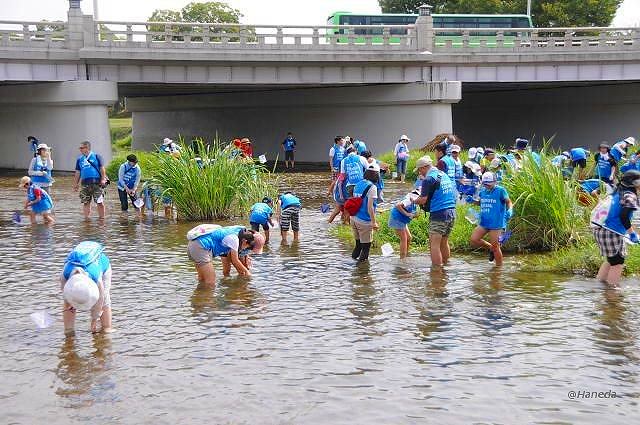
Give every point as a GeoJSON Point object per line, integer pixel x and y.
{"type": "Point", "coordinates": [256, 226]}
{"type": "Point", "coordinates": [288, 155]}
{"type": "Point", "coordinates": [582, 163]}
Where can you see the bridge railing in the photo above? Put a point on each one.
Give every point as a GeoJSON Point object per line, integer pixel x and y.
{"type": "Point", "coordinates": [539, 39]}
{"type": "Point", "coordinates": [32, 33]}
{"type": "Point", "coordinates": [114, 34]}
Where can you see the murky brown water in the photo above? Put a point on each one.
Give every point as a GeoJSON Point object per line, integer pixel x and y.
{"type": "Point", "coordinates": [309, 339]}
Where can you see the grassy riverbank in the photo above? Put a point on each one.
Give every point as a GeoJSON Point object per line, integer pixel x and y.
{"type": "Point", "coordinates": [121, 134]}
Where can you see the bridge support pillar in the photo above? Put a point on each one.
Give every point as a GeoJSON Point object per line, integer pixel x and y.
{"type": "Point", "coordinates": [59, 114]}
{"type": "Point", "coordinates": [376, 114]}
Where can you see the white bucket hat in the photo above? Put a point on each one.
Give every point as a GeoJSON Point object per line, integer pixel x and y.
{"type": "Point", "coordinates": [474, 167]}
{"type": "Point", "coordinates": [42, 146]}
{"type": "Point", "coordinates": [404, 137]}
{"type": "Point", "coordinates": [80, 291]}
{"type": "Point", "coordinates": [374, 167]}
{"type": "Point", "coordinates": [166, 141]}
{"type": "Point", "coordinates": [630, 140]}
{"type": "Point", "coordinates": [488, 177]}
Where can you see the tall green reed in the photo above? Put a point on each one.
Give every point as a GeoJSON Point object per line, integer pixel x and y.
{"type": "Point", "coordinates": [213, 184]}
{"type": "Point", "coordinates": [547, 213]}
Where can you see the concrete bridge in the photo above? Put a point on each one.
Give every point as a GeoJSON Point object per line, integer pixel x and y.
{"type": "Point", "coordinates": [57, 80]}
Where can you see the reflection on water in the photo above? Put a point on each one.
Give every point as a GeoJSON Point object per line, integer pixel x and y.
{"type": "Point", "coordinates": [84, 378]}
{"type": "Point", "coordinates": [311, 338]}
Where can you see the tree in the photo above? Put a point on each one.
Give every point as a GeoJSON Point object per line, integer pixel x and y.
{"type": "Point", "coordinates": [545, 13]}
{"type": "Point", "coordinates": [211, 12]}
{"type": "Point", "coordinates": [208, 12]}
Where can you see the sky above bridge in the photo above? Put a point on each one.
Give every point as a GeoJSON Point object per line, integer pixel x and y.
{"type": "Point", "coordinates": [287, 12]}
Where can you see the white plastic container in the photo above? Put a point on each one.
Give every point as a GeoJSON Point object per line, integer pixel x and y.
{"type": "Point", "coordinates": [42, 319]}
{"type": "Point", "coordinates": [472, 216]}
{"type": "Point", "coordinates": [387, 250]}
{"type": "Point", "coordinates": [138, 203]}
{"type": "Point", "coordinates": [262, 159]}
{"type": "Point", "coordinates": [394, 175]}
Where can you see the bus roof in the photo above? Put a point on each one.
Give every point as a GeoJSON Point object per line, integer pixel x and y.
{"type": "Point", "coordinates": [445, 15]}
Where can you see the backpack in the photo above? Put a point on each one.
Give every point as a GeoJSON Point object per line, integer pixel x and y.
{"type": "Point", "coordinates": [353, 204]}
{"type": "Point", "coordinates": [202, 229]}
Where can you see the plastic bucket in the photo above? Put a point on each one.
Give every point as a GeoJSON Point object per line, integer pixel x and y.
{"type": "Point", "coordinates": [472, 216]}
{"type": "Point", "coordinates": [138, 203]}
{"type": "Point", "coordinates": [394, 175]}
{"type": "Point", "coordinates": [387, 250]}
{"type": "Point", "coordinates": [262, 159]}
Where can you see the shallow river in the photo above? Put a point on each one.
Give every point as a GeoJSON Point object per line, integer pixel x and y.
{"type": "Point", "coordinates": [310, 338]}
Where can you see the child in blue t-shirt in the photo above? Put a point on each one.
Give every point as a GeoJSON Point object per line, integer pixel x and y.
{"type": "Point", "coordinates": [496, 209]}
{"type": "Point", "coordinates": [260, 215]}
{"type": "Point", "coordinates": [401, 215]}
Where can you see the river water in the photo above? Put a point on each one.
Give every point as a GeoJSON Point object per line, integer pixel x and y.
{"type": "Point", "coordinates": [310, 338]}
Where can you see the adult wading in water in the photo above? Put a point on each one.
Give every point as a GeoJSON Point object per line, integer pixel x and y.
{"type": "Point", "coordinates": [438, 197]}
{"type": "Point", "coordinates": [617, 226]}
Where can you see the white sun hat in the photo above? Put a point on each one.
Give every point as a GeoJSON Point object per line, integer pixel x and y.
{"type": "Point", "coordinates": [166, 141]}
{"type": "Point", "coordinates": [80, 291]}
{"type": "Point", "coordinates": [404, 137]}
{"type": "Point", "coordinates": [488, 177]}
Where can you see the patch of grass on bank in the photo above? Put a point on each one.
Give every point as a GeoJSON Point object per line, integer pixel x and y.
{"type": "Point", "coordinates": [121, 138]}
{"type": "Point", "coordinates": [584, 259]}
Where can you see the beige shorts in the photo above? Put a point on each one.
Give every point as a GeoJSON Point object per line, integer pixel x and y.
{"type": "Point", "coordinates": [362, 230]}
{"type": "Point", "coordinates": [198, 254]}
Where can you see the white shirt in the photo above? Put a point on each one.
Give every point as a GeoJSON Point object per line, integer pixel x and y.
{"type": "Point", "coordinates": [231, 241]}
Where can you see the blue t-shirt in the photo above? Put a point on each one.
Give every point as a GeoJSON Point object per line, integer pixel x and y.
{"type": "Point", "coordinates": [442, 196]}
{"type": "Point", "coordinates": [289, 144]}
{"type": "Point", "coordinates": [260, 213]}
{"type": "Point", "coordinates": [89, 168]}
{"type": "Point", "coordinates": [492, 207]}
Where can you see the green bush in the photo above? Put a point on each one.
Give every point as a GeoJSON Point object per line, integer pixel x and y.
{"type": "Point", "coordinates": [212, 185]}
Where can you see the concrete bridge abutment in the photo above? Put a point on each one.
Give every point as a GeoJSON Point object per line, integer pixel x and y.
{"type": "Point", "coordinates": [377, 114]}
{"type": "Point", "coordinates": [60, 114]}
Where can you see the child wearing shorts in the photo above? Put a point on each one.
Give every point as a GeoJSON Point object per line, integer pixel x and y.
{"type": "Point", "coordinates": [260, 215]}
{"type": "Point", "coordinates": [289, 215]}
{"type": "Point", "coordinates": [401, 215]}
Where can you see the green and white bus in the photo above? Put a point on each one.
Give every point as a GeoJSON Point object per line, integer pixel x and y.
{"type": "Point", "coordinates": [439, 21]}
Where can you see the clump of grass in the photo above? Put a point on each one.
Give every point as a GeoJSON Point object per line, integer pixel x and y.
{"type": "Point", "coordinates": [547, 213]}
{"type": "Point", "coordinates": [583, 259]}
{"type": "Point", "coordinates": [214, 184]}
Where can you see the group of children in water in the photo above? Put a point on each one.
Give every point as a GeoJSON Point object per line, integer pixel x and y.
{"type": "Point", "coordinates": [437, 191]}
{"type": "Point", "coordinates": [357, 187]}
